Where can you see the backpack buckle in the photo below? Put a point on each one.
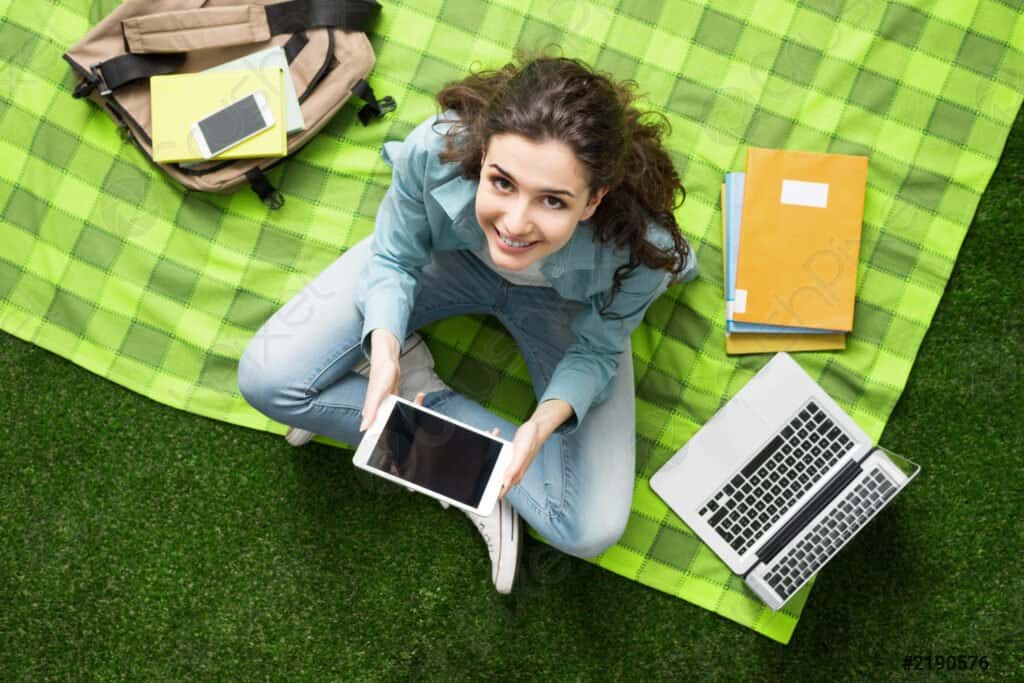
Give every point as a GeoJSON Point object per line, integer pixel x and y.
{"type": "Point", "coordinates": [98, 79]}
{"type": "Point", "coordinates": [374, 108]}
{"type": "Point", "coordinates": [270, 195]}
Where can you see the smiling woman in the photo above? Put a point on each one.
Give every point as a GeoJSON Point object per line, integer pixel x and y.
{"type": "Point", "coordinates": [536, 215]}
{"type": "Point", "coordinates": [540, 197]}
{"type": "Point", "coordinates": [555, 138]}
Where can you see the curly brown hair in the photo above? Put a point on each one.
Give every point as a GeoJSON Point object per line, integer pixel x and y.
{"type": "Point", "coordinates": [546, 98]}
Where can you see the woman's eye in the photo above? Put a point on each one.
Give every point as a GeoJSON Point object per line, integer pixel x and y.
{"type": "Point", "coordinates": [501, 184]}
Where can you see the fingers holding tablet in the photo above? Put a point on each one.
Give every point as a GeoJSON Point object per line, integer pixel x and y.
{"type": "Point", "coordinates": [384, 378]}
{"type": "Point", "coordinates": [525, 445]}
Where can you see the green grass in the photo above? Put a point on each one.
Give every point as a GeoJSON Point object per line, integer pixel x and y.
{"type": "Point", "coordinates": [138, 542]}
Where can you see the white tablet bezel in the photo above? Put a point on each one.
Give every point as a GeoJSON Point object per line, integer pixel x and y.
{"type": "Point", "coordinates": [372, 435]}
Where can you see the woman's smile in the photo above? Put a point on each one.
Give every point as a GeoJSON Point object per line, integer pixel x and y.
{"type": "Point", "coordinates": [512, 246]}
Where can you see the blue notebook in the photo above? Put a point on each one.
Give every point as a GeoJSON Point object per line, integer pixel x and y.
{"type": "Point", "coordinates": [733, 222]}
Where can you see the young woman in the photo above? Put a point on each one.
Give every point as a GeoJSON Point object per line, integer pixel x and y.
{"type": "Point", "coordinates": [539, 195]}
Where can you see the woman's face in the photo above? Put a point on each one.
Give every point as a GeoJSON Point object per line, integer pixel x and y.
{"type": "Point", "coordinates": [533, 194]}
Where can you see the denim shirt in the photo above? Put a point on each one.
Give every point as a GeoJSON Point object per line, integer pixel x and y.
{"type": "Point", "coordinates": [430, 206]}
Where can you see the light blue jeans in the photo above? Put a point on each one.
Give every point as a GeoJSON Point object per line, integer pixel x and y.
{"type": "Point", "coordinates": [297, 370]}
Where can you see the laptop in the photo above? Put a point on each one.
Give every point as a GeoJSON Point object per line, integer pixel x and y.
{"type": "Point", "coordinates": [779, 480]}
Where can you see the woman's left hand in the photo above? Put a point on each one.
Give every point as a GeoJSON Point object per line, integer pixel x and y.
{"type": "Point", "coordinates": [525, 446]}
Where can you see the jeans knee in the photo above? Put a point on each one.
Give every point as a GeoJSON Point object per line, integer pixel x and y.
{"type": "Point", "coordinates": [592, 545]}
{"type": "Point", "coordinates": [252, 383]}
{"type": "Point", "coordinates": [590, 538]}
{"type": "Point", "coordinates": [265, 388]}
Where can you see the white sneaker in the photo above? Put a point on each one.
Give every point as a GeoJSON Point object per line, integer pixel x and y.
{"type": "Point", "coordinates": [298, 437]}
{"type": "Point", "coordinates": [416, 374]}
{"type": "Point", "coordinates": [503, 533]}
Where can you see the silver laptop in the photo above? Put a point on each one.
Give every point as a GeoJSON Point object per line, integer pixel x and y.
{"type": "Point", "coordinates": [779, 480]}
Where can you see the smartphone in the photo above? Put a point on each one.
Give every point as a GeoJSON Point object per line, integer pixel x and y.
{"type": "Point", "coordinates": [429, 452]}
{"type": "Point", "coordinates": [232, 124]}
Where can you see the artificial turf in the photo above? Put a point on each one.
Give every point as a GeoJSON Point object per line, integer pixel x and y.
{"type": "Point", "coordinates": [138, 542]}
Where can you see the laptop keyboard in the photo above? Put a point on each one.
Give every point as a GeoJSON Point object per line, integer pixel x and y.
{"type": "Point", "coordinates": [768, 486]}
{"type": "Point", "coordinates": [788, 572]}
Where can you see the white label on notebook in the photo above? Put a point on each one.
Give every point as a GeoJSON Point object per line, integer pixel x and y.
{"type": "Point", "coordinates": [803, 193]}
{"type": "Point", "coordinates": [739, 304]}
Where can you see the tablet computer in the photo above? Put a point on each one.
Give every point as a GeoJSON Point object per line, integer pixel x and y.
{"type": "Point", "coordinates": [434, 454]}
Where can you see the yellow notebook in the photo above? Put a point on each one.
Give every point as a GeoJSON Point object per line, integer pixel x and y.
{"type": "Point", "coordinates": [179, 100]}
{"type": "Point", "coordinates": [798, 260]}
{"type": "Point", "coordinates": [759, 342]}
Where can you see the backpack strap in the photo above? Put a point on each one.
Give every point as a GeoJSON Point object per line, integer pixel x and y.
{"type": "Point", "coordinates": [294, 46]}
{"type": "Point", "coordinates": [117, 71]}
{"type": "Point", "coordinates": [297, 15]}
{"type": "Point", "coordinates": [197, 29]}
{"type": "Point", "coordinates": [294, 17]}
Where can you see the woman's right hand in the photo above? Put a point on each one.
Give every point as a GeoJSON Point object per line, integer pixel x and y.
{"type": "Point", "coordinates": [385, 351]}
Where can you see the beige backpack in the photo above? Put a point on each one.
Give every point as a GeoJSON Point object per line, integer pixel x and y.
{"type": "Point", "coordinates": [325, 42]}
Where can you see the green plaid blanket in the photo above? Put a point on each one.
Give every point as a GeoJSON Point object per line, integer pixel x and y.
{"type": "Point", "coordinates": [106, 262]}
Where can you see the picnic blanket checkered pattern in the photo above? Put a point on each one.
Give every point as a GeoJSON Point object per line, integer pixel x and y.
{"type": "Point", "coordinates": [106, 262]}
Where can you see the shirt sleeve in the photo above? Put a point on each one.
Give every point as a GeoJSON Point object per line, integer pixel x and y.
{"type": "Point", "coordinates": [401, 243]}
{"type": "Point", "coordinates": [584, 375]}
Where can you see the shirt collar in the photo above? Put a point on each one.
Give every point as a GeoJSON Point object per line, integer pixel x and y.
{"type": "Point", "coordinates": [457, 197]}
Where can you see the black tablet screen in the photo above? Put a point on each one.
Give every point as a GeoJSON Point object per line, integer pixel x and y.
{"type": "Point", "coordinates": [435, 454]}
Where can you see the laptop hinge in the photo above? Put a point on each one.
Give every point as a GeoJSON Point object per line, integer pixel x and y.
{"type": "Point", "coordinates": [796, 524]}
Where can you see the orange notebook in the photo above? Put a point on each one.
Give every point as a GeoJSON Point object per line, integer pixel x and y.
{"type": "Point", "coordinates": [757, 342]}
{"type": "Point", "coordinates": [802, 214]}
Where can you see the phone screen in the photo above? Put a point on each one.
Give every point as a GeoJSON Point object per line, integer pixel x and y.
{"type": "Point", "coordinates": [231, 124]}
{"type": "Point", "coordinates": [436, 454]}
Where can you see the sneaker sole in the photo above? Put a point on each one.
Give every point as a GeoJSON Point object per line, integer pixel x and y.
{"type": "Point", "coordinates": [502, 582]}
{"type": "Point", "coordinates": [519, 551]}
